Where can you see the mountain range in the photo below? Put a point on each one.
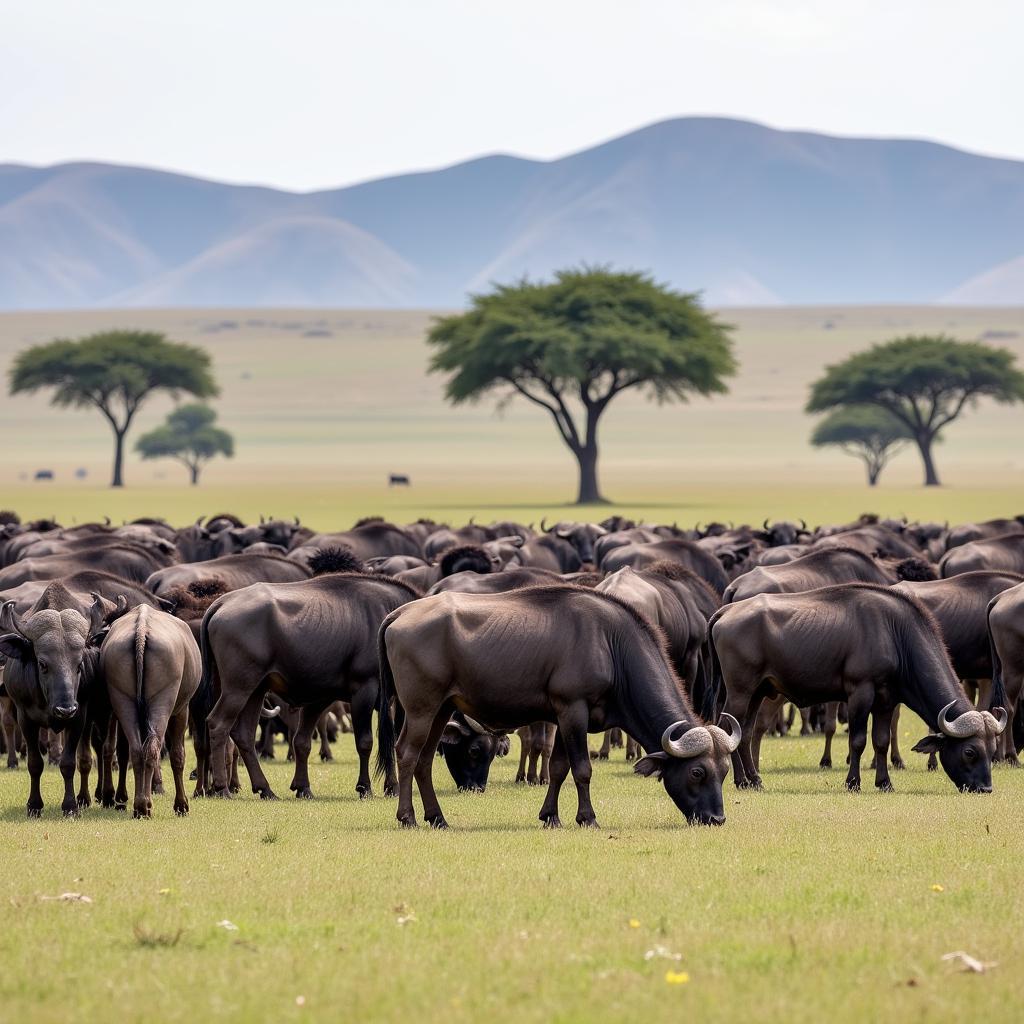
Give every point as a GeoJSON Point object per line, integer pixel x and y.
{"type": "Point", "coordinates": [746, 214]}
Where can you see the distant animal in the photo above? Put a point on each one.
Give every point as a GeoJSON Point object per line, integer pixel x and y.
{"type": "Point", "coordinates": [399, 480]}
{"type": "Point", "coordinates": [44, 474]}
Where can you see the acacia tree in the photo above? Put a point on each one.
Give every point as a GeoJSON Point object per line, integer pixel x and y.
{"type": "Point", "coordinates": [925, 381]}
{"type": "Point", "coordinates": [572, 345]}
{"type": "Point", "coordinates": [115, 372]}
{"type": "Point", "coordinates": [871, 434]}
{"type": "Point", "coordinates": [189, 436]}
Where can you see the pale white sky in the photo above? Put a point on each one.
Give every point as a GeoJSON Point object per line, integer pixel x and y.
{"type": "Point", "coordinates": [316, 93]}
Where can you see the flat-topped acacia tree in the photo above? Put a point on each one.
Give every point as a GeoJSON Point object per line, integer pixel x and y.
{"type": "Point", "coordinates": [571, 345]}
{"type": "Point", "coordinates": [871, 434]}
{"type": "Point", "coordinates": [925, 381]}
{"type": "Point", "coordinates": [115, 372]}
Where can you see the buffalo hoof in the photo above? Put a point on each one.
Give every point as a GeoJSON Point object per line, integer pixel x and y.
{"type": "Point", "coordinates": [534, 782]}
{"type": "Point", "coordinates": [600, 756]}
{"type": "Point", "coordinates": [223, 794]}
{"type": "Point", "coordinates": [585, 822]}
{"type": "Point", "coordinates": [552, 821]}
{"type": "Point", "coordinates": [139, 814]}
{"type": "Point", "coordinates": [35, 812]}
{"type": "Point", "coordinates": [181, 810]}
{"type": "Point", "coordinates": [364, 792]}
{"type": "Point", "coordinates": [932, 767]}
{"type": "Point", "coordinates": [266, 757]}
{"type": "Point", "coordinates": [11, 765]}
{"type": "Point", "coordinates": [409, 822]}
{"type": "Point", "coordinates": [235, 787]}
{"type": "Point", "coordinates": [853, 785]}
{"type": "Point", "coordinates": [84, 800]}
{"type": "Point", "coordinates": [327, 757]}
{"type": "Point", "coordinates": [193, 775]}
{"type": "Point", "coordinates": [158, 789]}
{"type": "Point", "coordinates": [630, 757]}
{"type": "Point", "coordinates": [884, 787]}
{"type": "Point", "coordinates": [391, 790]}
{"type": "Point", "coordinates": [108, 803]}
{"type": "Point", "coordinates": [437, 821]}
{"type": "Point", "coordinates": [266, 794]}
{"type": "Point", "coordinates": [520, 779]}
{"type": "Point", "coordinates": [749, 784]}
{"type": "Point", "coordinates": [825, 763]}
{"type": "Point", "coordinates": [302, 793]}
{"type": "Point", "coordinates": [898, 764]}
{"type": "Point", "coordinates": [71, 810]}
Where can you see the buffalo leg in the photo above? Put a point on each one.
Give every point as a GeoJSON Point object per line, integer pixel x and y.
{"type": "Point", "coordinates": [751, 779]}
{"type": "Point", "coordinates": [121, 796]}
{"type": "Point", "coordinates": [176, 752]}
{"type": "Point", "coordinates": [632, 749]}
{"type": "Point", "coordinates": [432, 813]}
{"type": "Point", "coordinates": [525, 735]}
{"type": "Point", "coordinates": [806, 729]}
{"type": "Point", "coordinates": [243, 732]}
{"type": "Point", "coordinates": [413, 742]}
{"type": "Point", "coordinates": [831, 714]}
{"type": "Point", "coordinates": [364, 698]}
{"type": "Point", "coordinates": [69, 763]}
{"type": "Point", "coordinates": [894, 746]}
{"type": "Point", "coordinates": [881, 731]}
{"type": "Point", "coordinates": [606, 746]}
{"type": "Point", "coordinates": [105, 740]}
{"type": "Point", "coordinates": [221, 723]}
{"type": "Point", "coordinates": [322, 727]}
{"type": "Point", "coordinates": [10, 728]}
{"type": "Point", "coordinates": [85, 765]}
{"type": "Point", "coordinates": [34, 756]}
{"type": "Point", "coordinates": [572, 723]}
{"type": "Point", "coordinates": [302, 744]}
{"type": "Point", "coordinates": [859, 707]}
{"type": "Point", "coordinates": [558, 769]}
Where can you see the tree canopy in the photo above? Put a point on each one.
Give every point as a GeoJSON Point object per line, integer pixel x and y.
{"type": "Point", "coordinates": [868, 432]}
{"type": "Point", "coordinates": [189, 436]}
{"type": "Point", "coordinates": [571, 345]}
{"type": "Point", "coordinates": [115, 372]}
{"type": "Point", "coordinates": [924, 381]}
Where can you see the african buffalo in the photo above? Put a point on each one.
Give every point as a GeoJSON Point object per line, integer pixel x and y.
{"type": "Point", "coordinates": [686, 553]}
{"type": "Point", "coordinates": [561, 654]}
{"type": "Point", "coordinates": [233, 571]}
{"type": "Point", "coordinates": [811, 648]}
{"type": "Point", "coordinates": [1005, 553]}
{"type": "Point", "coordinates": [1006, 632]}
{"type": "Point", "coordinates": [151, 666]}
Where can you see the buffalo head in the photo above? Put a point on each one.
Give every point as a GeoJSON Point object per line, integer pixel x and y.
{"type": "Point", "coordinates": [965, 745]}
{"type": "Point", "coordinates": [693, 765]}
{"type": "Point", "coordinates": [469, 750]}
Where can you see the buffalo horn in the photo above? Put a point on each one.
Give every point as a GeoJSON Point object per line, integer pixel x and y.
{"type": "Point", "coordinates": [9, 619]}
{"type": "Point", "coordinates": [803, 525]}
{"type": "Point", "coordinates": [297, 521]}
{"type": "Point", "coordinates": [993, 724]}
{"type": "Point", "coordinates": [765, 526]}
{"type": "Point", "coordinates": [970, 723]}
{"type": "Point", "coordinates": [694, 742]}
{"type": "Point", "coordinates": [474, 725]}
{"type": "Point", "coordinates": [543, 522]}
{"type": "Point", "coordinates": [729, 738]}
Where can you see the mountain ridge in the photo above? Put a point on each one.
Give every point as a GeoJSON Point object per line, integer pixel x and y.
{"type": "Point", "coordinates": [747, 213]}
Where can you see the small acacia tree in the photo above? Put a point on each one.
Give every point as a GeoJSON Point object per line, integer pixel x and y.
{"type": "Point", "coordinates": [572, 345]}
{"type": "Point", "coordinates": [189, 436]}
{"type": "Point", "coordinates": [114, 371]}
{"type": "Point", "coordinates": [925, 381]}
{"type": "Point", "coordinates": [871, 434]}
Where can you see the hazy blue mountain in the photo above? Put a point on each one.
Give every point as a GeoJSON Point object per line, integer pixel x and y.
{"type": "Point", "coordinates": [748, 214]}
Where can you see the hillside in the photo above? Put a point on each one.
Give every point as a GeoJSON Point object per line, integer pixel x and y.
{"type": "Point", "coordinates": [751, 215]}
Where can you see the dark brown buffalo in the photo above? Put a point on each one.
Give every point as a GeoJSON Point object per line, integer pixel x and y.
{"type": "Point", "coordinates": [151, 666]}
{"type": "Point", "coordinates": [131, 561]}
{"type": "Point", "coordinates": [1006, 632]}
{"type": "Point", "coordinates": [549, 552]}
{"type": "Point", "coordinates": [56, 544]}
{"type": "Point", "coordinates": [1005, 553]}
{"type": "Point", "coordinates": [873, 539]}
{"type": "Point", "coordinates": [311, 644]}
{"type": "Point", "coordinates": [83, 585]}
{"type": "Point", "coordinates": [535, 745]}
{"type": "Point", "coordinates": [372, 538]}
{"type": "Point", "coordinates": [868, 645]}
{"type": "Point", "coordinates": [558, 654]}
{"type": "Point", "coordinates": [51, 675]}
{"type": "Point", "coordinates": [620, 538]}
{"type": "Point", "coordinates": [233, 571]}
{"type": "Point", "coordinates": [821, 567]}
{"type": "Point", "coordinates": [512, 578]}
{"type": "Point", "coordinates": [686, 553]}
{"type": "Point", "coordinates": [582, 536]}
{"type": "Point", "coordinates": [968, 532]}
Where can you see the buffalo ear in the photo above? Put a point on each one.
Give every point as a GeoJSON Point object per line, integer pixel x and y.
{"type": "Point", "coordinates": [452, 734]}
{"type": "Point", "coordinates": [652, 766]}
{"type": "Point", "coordinates": [165, 605]}
{"type": "Point", "coordinates": [929, 745]}
{"type": "Point", "coordinates": [15, 647]}
{"type": "Point", "coordinates": [517, 541]}
{"type": "Point", "coordinates": [503, 746]}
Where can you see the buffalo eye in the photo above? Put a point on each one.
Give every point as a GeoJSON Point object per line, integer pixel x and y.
{"type": "Point", "coordinates": [970, 754]}
{"type": "Point", "coordinates": [697, 773]}
{"type": "Point", "coordinates": [43, 667]}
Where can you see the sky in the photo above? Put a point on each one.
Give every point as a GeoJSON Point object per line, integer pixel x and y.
{"type": "Point", "coordinates": [316, 93]}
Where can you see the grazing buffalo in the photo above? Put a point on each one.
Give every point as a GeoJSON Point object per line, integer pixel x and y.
{"type": "Point", "coordinates": [51, 676]}
{"type": "Point", "coordinates": [469, 750]}
{"type": "Point", "coordinates": [812, 648]}
{"type": "Point", "coordinates": [582, 536]}
{"type": "Point", "coordinates": [233, 571]}
{"type": "Point", "coordinates": [783, 534]}
{"type": "Point", "coordinates": [82, 587]}
{"type": "Point", "coordinates": [821, 568]}
{"type": "Point", "coordinates": [562, 654]}
{"type": "Point", "coordinates": [369, 538]}
{"type": "Point", "coordinates": [131, 561]}
{"type": "Point", "coordinates": [1006, 631]}
{"type": "Point", "coordinates": [310, 644]}
{"type": "Point", "coordinates": [1005, 553]}
{"type": "Point", "coordinates": [152, 666]}
{"type": "Point", "coordinates": [872, 539]}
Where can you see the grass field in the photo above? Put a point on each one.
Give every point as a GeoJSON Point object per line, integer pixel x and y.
{"type": "Point", "coordinates": [810, 903]}
{"type": "Point", "coordinates": [325, 403]}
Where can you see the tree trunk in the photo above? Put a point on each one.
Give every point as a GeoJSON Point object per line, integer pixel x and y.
{"type": "Point", "coordinates": [924, 444]}
{"type": "Point", "coordinates": [118, 480]}
{"type": "Point", "coordinates": [194, 471]}
{"type": "Point", "coordinates": [589, 492]}
{"type": "Point", "coordinates": [873, 470]}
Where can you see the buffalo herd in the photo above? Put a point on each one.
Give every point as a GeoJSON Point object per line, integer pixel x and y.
{"type": "Point", "coordinates": [687, 645]}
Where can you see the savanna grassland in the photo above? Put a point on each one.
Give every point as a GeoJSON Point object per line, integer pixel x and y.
{"type": "Point", "coordinates": [810, 903]}
{"type": "Point", "coordinates": [325, 404]}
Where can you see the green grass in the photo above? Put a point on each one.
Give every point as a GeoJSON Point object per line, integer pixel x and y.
{"type": "Point", "coordinates": [809, 903]}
